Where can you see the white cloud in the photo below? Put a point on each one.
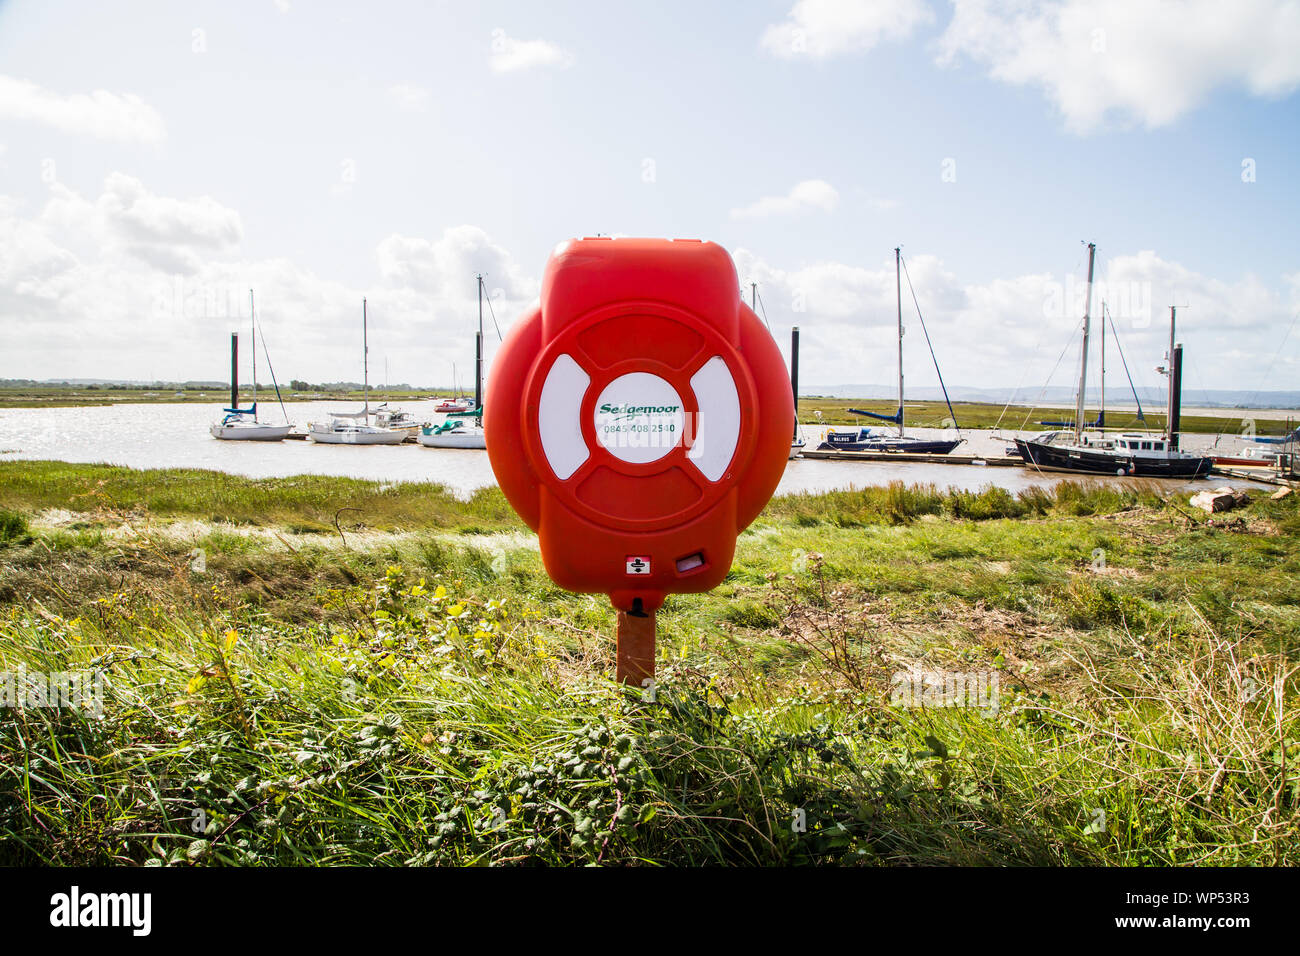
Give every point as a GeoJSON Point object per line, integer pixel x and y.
{"type": "Point", "coordinates": [139, 215]}
{"type": "Point", "coordinates": [450, 262]}
{"type": "Point", "coordinates": [510, 55]}
{"type": "Point", "coordinates": [1143, 61]}
{"type": "Point", "coordinates": [811, 194]}
{"type": "Point", "coordinates": [825, 28]}
{"type": "Point", "coordinates": [1009, 332]}
{"type": "Point", "coordinates": [411, 99]}
{"type": "Point", "coordinates": [123, 117]}
{"type": "Point", "coordinates": [130, 284]}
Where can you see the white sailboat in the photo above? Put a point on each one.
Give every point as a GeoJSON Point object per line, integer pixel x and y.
{"type": "Point", "coordinates": [242, 424]}
{"type": "Point", "coordinates": [871, 439]}
{"type": "Point", "coordinates": [354, 428]}
{"type": "Point", "coordinates": [463, 429]}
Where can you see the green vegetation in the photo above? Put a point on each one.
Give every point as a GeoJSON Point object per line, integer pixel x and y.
{"type": "Point", "coordinates": [285, 682]}
{"type": "Point", "coordinates": [14, 394]}
{"type": "Point", "coordinates": [303, 502]}
{"type": "Point", "coordinates": [835, 411]}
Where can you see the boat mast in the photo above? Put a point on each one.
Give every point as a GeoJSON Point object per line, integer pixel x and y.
{"type": "Point", "coordinates": [1169, 408]}
{"type": "Point", "coordinates": [478, 347]}
{"type": "Point", "coordinates": [234, 370]}
{"type": "Point", "coordinates": [252, 318]}
{"type": "Point", "coordinates": [365, 361]}
{"type": "Point", "coordinates": [1101, 412]}
{"type": "Point", "coordinates": [1083, 363]}
{"type": "Point", "coordinates": [794, 378]}
{"type": "Point", "coordinates": [898, 289]}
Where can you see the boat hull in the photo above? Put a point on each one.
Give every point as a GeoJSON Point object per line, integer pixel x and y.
{"type": "Point", "coordinates": [454, 440]}
{"type": "Point", "coordinates": [258, 432]}
{"type": "Point", "coordinates": [1099, 463]}
{"type": "Point", "coordinates": [357, 438]}
{"type": "Point", "coordinates": [913, 446]}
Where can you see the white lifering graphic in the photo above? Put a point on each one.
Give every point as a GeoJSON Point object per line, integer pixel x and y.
{"type": "Point", "coordinates": [639, 418]}
{"type": "Point", "coordinates": [718, 428]}
{"type": "Point", "coordinates": [558, 414]}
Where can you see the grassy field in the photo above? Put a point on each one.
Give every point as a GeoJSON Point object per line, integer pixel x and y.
{"type": "Point", "coordinates": [316, 670]}
{"type": "Point", "coordinates": [835, 411]}
{"type": "Point", "coordinates": [65, 396]}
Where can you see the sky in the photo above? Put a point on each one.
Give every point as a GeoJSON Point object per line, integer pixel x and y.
{"type": "Point", "coordinates": [159, 160]}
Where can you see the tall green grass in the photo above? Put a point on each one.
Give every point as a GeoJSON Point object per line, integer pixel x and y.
{"type": "Point", "coordinates": [304, 502]}
{"type": "Point", "coordinates": [430, 697]}
{"type": "Point", "coordinates": [436, 728]}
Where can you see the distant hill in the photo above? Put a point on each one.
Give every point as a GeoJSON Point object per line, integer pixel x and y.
{"type": "Point", "coordinates": [108, 382]}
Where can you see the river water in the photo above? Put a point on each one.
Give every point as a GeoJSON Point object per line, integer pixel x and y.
{"type": "Point", "coordinates": [176, 435]}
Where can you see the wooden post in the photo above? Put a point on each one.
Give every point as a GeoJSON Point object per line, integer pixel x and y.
{"type": "Point", "coordinates": [636, 648]}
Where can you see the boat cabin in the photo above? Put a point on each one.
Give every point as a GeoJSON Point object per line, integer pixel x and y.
{"type": "Point", "coordinates": [1137, 444]}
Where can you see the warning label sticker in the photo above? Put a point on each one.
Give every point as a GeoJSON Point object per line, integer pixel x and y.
{"type": "Point", "coordinates": [638, 564]}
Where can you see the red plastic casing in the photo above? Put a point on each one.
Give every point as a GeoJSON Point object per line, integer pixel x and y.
{"type": "Point", "coordinates": [617, 306]}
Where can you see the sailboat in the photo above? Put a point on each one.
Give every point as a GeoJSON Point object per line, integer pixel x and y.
{"type": "Point", "coordinates": [868, 439]}
{"type": "Point", "coordinates": [242, 424]}
{"type": "Point", "coordinates": [463, 429]}
{"type": "Point", "coordinates": [458, 405]}
{"type": "Point", "coordinates": [1137, 454]}
{"type": "Point", "coordinates": [354, 428]}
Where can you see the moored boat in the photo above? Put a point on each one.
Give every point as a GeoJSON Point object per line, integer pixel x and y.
{"type": "Point", "coordinates": [355, 428]}
{"type": "Point", "coordinates": [869, 439]}
{"type": "Point", "coordinates": [237, 426]}
{"type": "Point", "coordinates": [395, 419]}
{"type": "Point", "coordinates": [242, 424]}
{"type": "Point", "coordinates": [344, 429]}
{"type": "Point", "coordinates": [453, 433]}
{"type": "Point", "coordinates": [454, 406]}
{"type": "Point", "coordinates": [464, 427]}
{"type": "Point", "coordinates": [1132, 455]}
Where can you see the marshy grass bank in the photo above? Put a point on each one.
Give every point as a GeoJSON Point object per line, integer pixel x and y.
{"type": "Point", "coordinates": [317, 670]}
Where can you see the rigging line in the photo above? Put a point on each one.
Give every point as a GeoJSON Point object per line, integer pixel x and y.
{"type": "Point", "coordinates": [763, 308]}
{"type": "Point", "coordinates": [1037, 348]}
{"type": "Point", "coordinates": [1267, 372]}
{"type": "Point", "coordinates": [271, 368]}
{"type": "Point", "coordinates": [933, 357]}
{"type": "Point", "coordinates": [1024, 371]}
{"type": "Point", "coordinates": [1043, 391]}
{"type": "Point", "coordinates": [1120, 347]}
{"type": "Point", "coordinates": [493, 313]}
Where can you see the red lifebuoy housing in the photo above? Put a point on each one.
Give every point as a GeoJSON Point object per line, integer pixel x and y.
{"type": "Point", "coordinates": [639, 417]}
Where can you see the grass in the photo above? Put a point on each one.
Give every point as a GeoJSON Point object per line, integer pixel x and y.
{"type": "Point", "coordinates": [818, 410]}
{"type": "Point", "coordinates": [35, 395]}
{"type": "Point", "coordinates": [410, 688]}
{"type": "Point", "coordinates": [305, 502]}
